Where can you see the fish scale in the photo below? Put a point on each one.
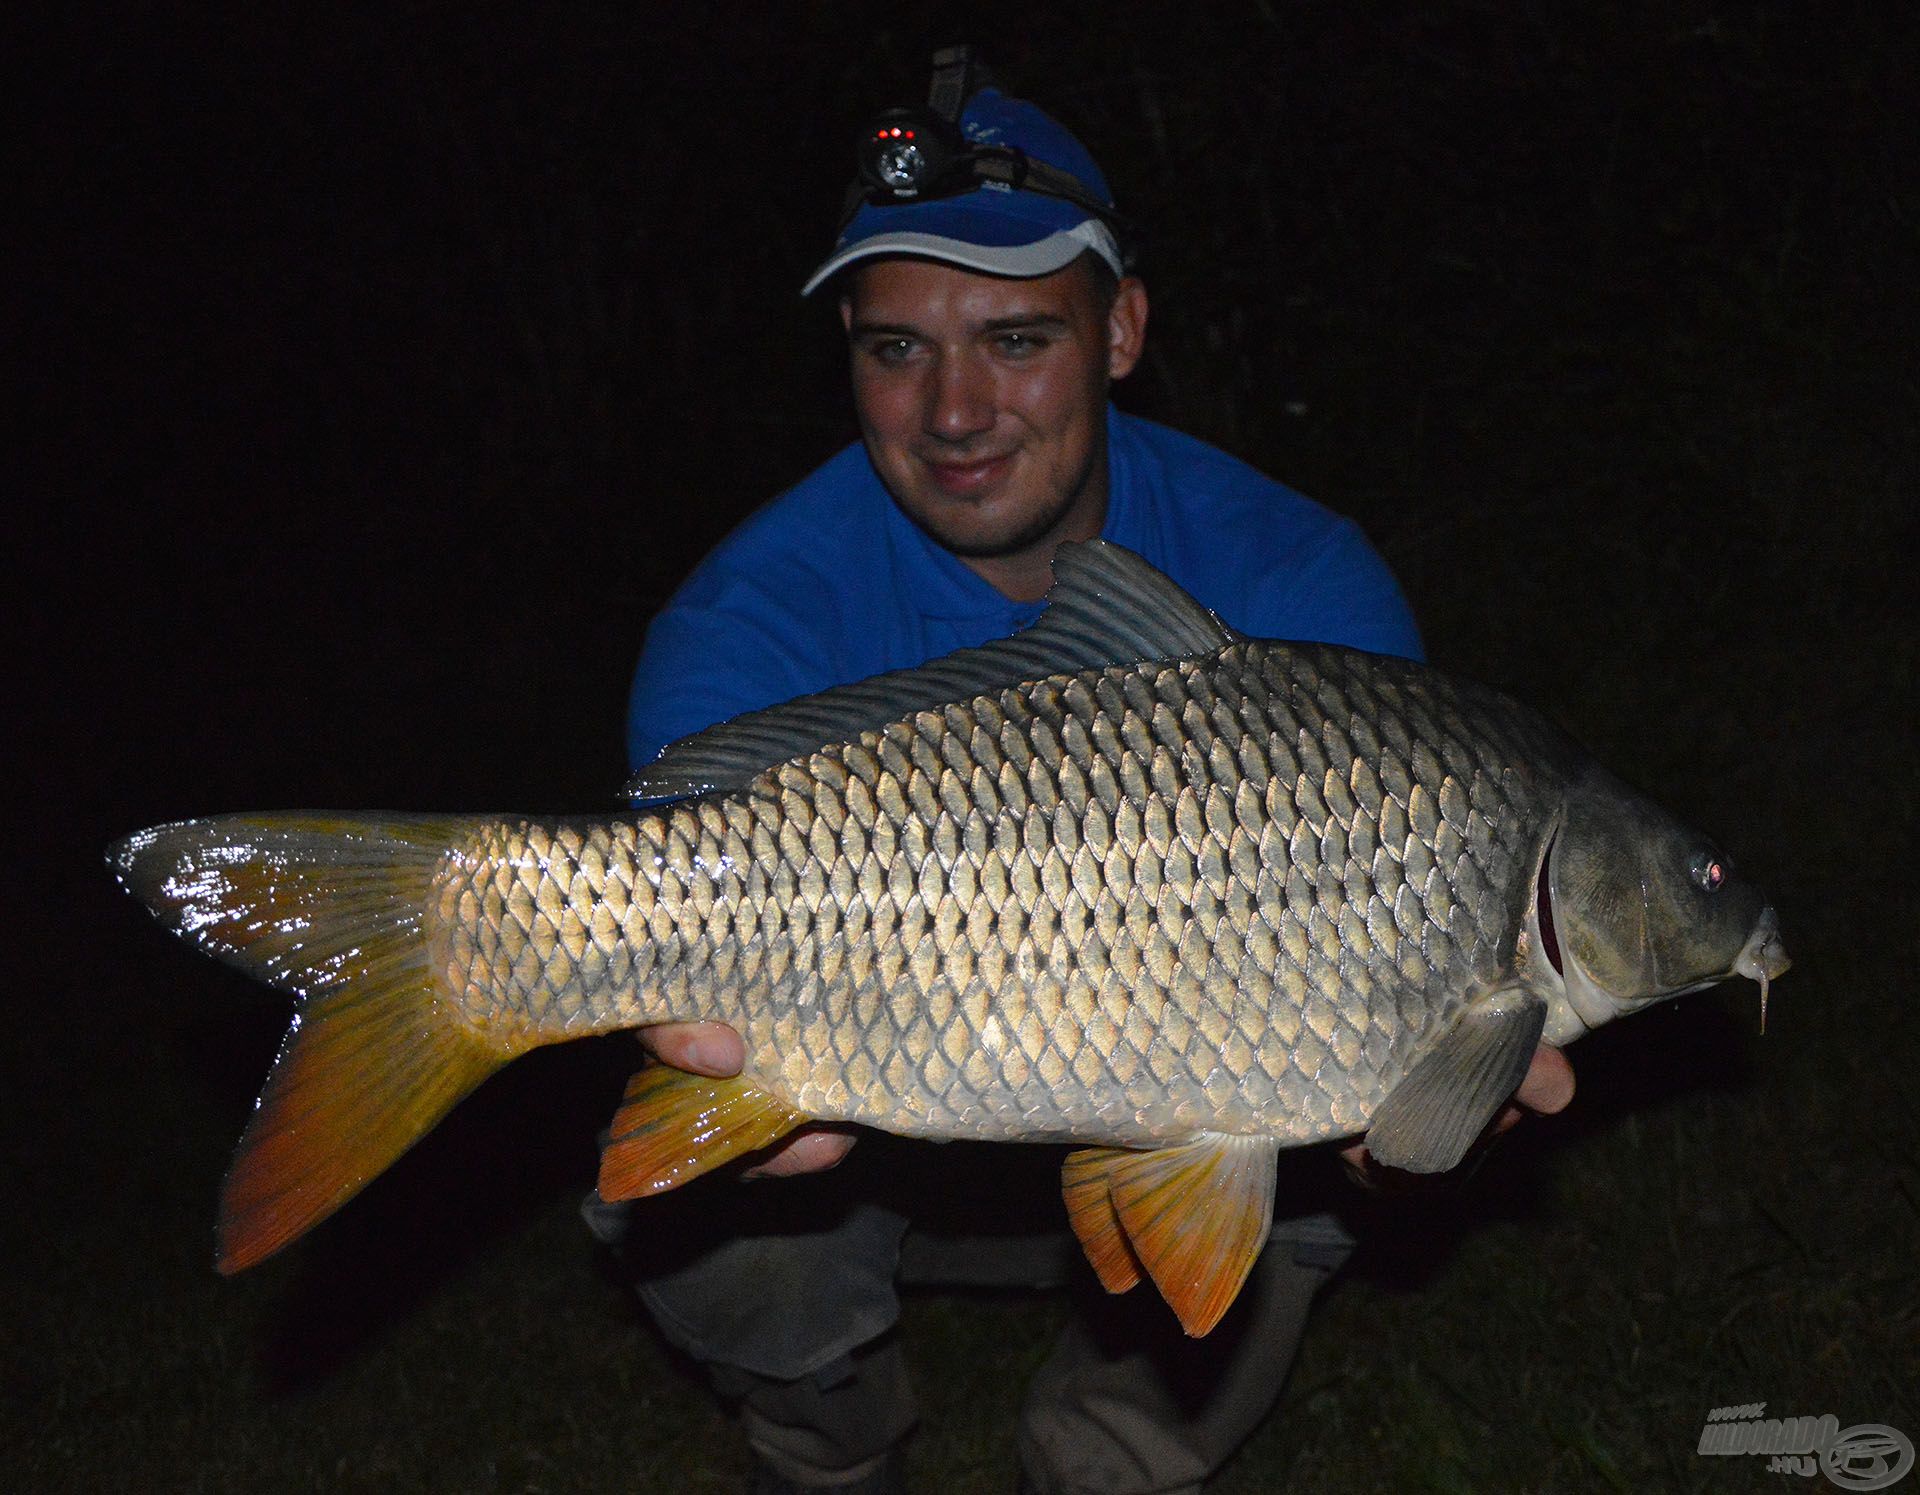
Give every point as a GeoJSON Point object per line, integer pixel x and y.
{"type": "Point", "coordinates": [1121, 905]}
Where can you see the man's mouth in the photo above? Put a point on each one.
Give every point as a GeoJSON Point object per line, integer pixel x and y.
{"type": "Point", "coordinates": [970, 476]}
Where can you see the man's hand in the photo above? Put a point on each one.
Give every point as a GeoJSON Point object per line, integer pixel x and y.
{"type": "Point", "coordinates": [1546, 1090]}
{"type": "Point", "coordinates": [715, 1049]}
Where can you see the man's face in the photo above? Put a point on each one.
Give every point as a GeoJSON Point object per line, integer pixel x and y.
{"type": "Point", "coordinates": [983, 400]}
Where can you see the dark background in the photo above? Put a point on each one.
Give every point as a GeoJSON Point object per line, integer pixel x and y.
{"type": "Point", "coordinates": [378, 373]}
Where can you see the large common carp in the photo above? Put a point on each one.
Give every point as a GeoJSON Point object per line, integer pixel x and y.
{"type": "Point", "coordinates": [1126, 879]}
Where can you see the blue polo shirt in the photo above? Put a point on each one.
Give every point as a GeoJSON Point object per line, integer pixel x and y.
{"type": "Point", "coordinates": [831, 583]}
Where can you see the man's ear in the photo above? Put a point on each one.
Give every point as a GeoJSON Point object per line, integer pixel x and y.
{"type": "Point", "coordinates": [846, 313]}
{"type": "Point", "coordinates": [1126, 327]}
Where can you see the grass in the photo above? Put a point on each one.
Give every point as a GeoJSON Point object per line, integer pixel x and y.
{"type": "Point", "coordinates": [426, 383]}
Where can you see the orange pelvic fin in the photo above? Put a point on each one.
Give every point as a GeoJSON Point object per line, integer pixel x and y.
{"type": "Point", "coordinates": [673, 1126]}
{"type": "Point", "coordinates": [1193, 1216]}
{"type": "Point", "coordinates": [330, 908]}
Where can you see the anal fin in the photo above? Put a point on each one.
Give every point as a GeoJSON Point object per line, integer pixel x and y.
{"type": "Point", "coordinates": [673, 1126]}
{"type": "Point", "coordinates": [1453, 1090]}
{"type": "Point", "coordinates": [1193, 1217]}
{"type": "Point", "coordinates": [1095, 1220]}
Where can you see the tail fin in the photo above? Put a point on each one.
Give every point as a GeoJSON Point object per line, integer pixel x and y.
{"type": "Point", "coordinates": [331, 908]}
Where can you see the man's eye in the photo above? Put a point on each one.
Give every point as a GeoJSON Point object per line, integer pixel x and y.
{"type": "Point", "coordinates": [891, 349]}
{"type": "Point", "coordinates": [1021, 344]}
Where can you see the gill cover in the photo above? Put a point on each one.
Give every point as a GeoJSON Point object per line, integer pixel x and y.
{"type": "Point", "coordinates": [1644, 908]}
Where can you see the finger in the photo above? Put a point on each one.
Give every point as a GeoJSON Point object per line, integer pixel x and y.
{"type": "Point", "coordinates": [704, 1048]}
{"type": "Point", "coordinates": [1548, 1086]}
{"type": "Point", "coordinates": [1358, 1162]}
{"type": "Point", "coordinates": [1546, 1090]}
{"type": "Point", "coordinates": [1377, 1178]}
{"type": "Point", "coordinates": [1508, 1118]}
{"type": "Point", "coordinates": [809, 1150]}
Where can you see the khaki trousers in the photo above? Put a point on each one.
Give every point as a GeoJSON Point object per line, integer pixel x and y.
{"type": "Point", "coordinates": [787, 1292]}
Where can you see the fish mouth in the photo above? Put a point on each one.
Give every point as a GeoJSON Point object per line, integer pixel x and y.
{"type": "Point", "coordinates": [1764, 957]}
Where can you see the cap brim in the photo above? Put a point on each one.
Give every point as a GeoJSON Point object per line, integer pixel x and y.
{"type": "Point", "coordinates": [962, 232]}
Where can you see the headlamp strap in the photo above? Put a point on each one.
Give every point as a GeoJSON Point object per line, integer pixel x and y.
{"type": "Point", "coordinates": [952, 83]}
{"type": "Point", "coordinates": [1017, 169]}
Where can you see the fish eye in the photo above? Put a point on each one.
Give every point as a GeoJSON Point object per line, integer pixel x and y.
{"type": "Point", "coordinates": [1708, 871]}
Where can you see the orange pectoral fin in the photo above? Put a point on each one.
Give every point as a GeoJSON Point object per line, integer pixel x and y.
{"type": "Point", "coordinates": [1194, 1216]}
{"type": "Point", "coordinates": [673, 1126]}
{"type": "Point", "coordinates": [1083, 1181]}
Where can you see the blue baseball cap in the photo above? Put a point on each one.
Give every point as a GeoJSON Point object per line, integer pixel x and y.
{"type": "Point", "coordinates": [995, 229]}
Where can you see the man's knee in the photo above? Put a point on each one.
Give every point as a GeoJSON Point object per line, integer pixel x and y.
{"type": "Point", "coordinates": [783, 1306]}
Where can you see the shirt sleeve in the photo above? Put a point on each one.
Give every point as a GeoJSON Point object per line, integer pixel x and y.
{"type": "Point", "coordinates": [1344, 593]}
{"type": "Point", "coordinates": [705, 662]}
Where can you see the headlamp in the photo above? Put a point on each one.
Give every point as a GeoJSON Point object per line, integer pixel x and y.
{"type": "Point", "coordinates": [907, 153]}
{"type": "Point", "coordinates": [912, 154]}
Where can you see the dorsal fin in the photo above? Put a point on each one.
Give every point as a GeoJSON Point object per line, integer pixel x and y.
{"type": "Point", "coordinates": [1106, 606]}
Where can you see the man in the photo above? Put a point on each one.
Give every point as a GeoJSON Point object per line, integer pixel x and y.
{"type": "Point", "coordinates": [984, 326]}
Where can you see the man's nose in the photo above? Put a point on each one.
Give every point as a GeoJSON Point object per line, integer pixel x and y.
{"type": "Point", "coordinates": [960, 400]}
